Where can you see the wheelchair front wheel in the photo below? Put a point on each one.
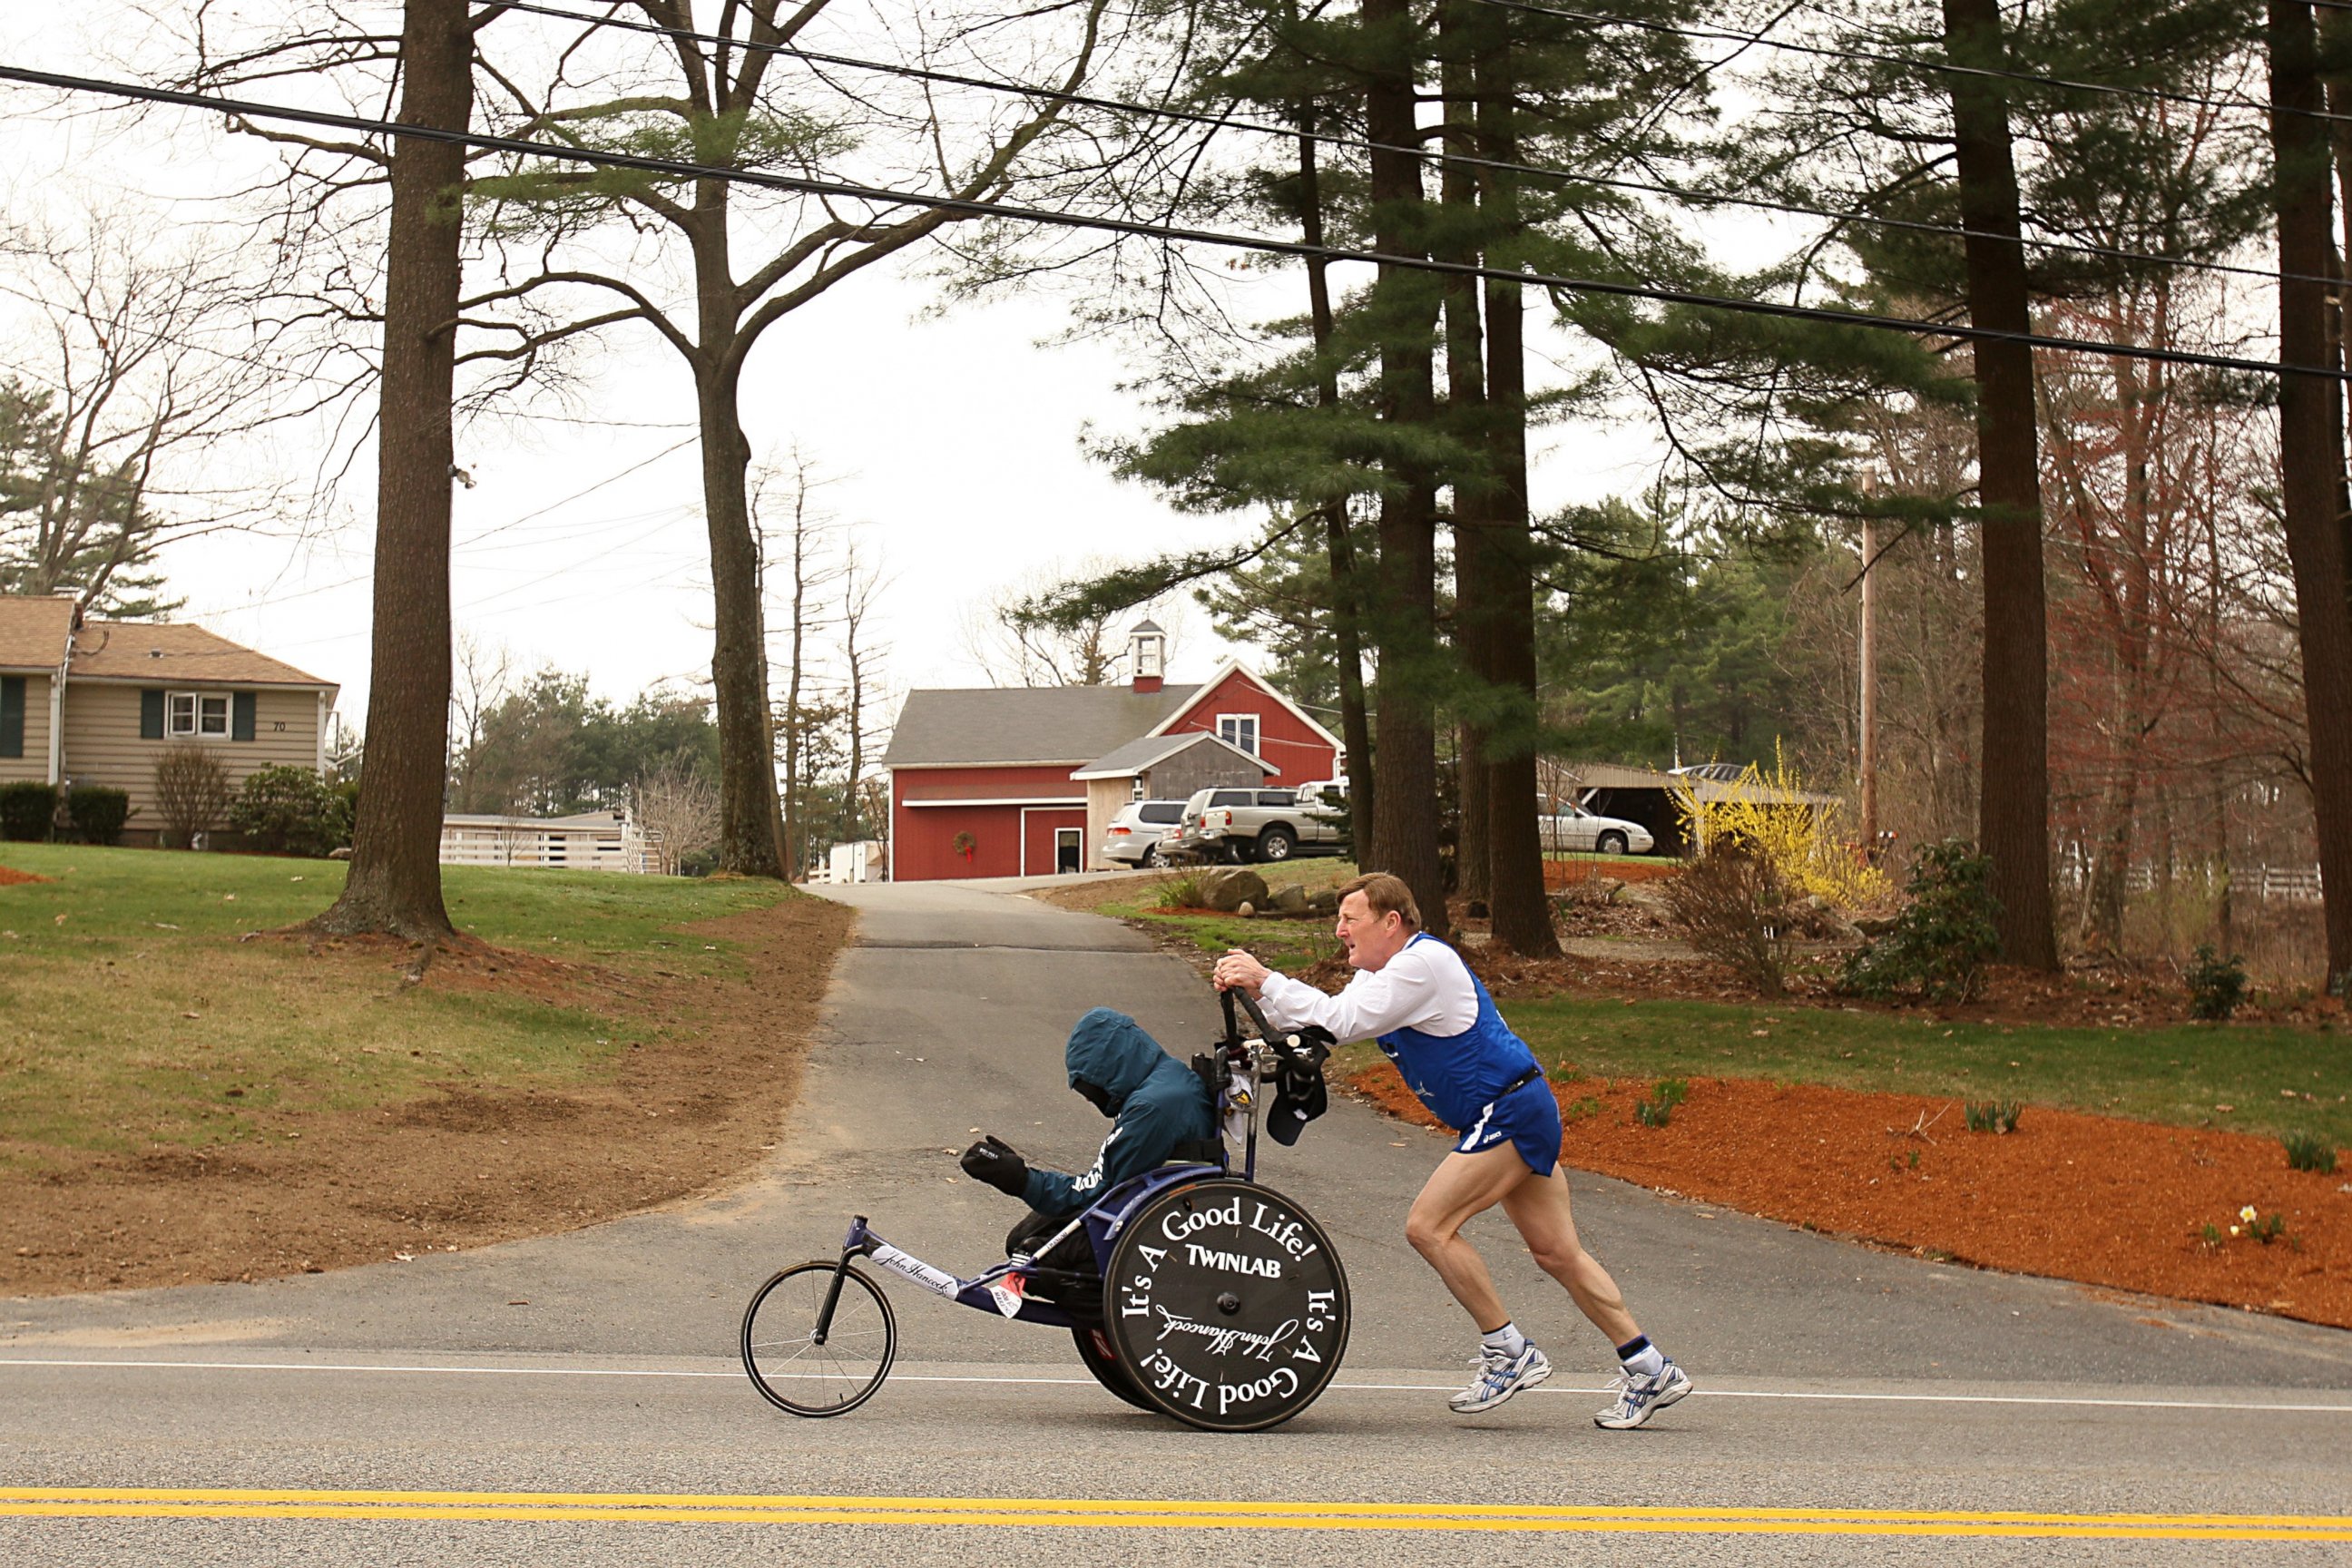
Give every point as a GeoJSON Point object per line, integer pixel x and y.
{"type": "Point", "coordinates": [793, 1369]}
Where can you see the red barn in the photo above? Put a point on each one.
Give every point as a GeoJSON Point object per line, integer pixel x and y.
{"type": "Point", "coordinates": [1023, 781]}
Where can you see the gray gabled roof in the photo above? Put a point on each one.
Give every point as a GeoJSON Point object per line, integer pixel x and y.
{"type": "Point", "coordinates": [1024, 723]}
{"type": "Point", "coordinates": [1151, 750]}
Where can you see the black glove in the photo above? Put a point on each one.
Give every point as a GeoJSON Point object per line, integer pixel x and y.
{"type": "Point", "coordinates": [998, 1164]}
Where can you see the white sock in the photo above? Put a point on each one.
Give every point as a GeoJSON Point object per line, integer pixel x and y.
{"type": "Point", "coordinates": [1506, 1341]}
{"type": "Point", "coordinates": [1644, 1361]}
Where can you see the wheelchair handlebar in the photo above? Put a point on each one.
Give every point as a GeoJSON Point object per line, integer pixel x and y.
{"type": "Point", "coordinates": [1314, 1044]}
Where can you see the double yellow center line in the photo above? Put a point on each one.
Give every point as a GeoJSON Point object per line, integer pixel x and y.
{"type": "Point", "coordinates": [677, 1508]}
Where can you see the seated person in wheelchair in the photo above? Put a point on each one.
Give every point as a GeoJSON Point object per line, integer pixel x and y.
{"type": "Point", "coordinates": [1157, 1107]}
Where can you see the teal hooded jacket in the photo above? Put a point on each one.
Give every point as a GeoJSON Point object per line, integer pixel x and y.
{"type": "Point", "coordinates": [1155, 1100]}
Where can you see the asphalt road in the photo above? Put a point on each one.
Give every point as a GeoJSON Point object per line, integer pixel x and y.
{"type": "Point", "coordinates": [574, 1399]}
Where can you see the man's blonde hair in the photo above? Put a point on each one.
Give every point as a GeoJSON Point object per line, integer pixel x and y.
{"type": "Point", "coordinates": [1385, 894]}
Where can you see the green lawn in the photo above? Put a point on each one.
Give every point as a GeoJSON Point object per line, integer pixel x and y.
{"type": "Point", "coordinates": [1285, 945]}
{"type": "Point", "coordinates": [2178, 1074]}
{"type": "Point", "coordinates": [134, 1014]}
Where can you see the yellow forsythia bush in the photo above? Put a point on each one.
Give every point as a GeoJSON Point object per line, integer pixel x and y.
{"type": "Point", "coordinates": [1765, 811]}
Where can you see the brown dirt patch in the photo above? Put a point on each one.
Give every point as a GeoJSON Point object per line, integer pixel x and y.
{"type": "Point", "coordinates": [687, 1112]}
{"type": "Point", "coordinates": [2089, 1198]}
{"type": "Point", "coordinates": [10, 876]}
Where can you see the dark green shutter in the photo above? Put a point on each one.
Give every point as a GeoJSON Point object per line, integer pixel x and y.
{"type": "Point", "coordinates": [12, 715]}
{"type": "Point", "coordinates": [241, 708]}
{"type": "Point", "coordinates": [150, 715]}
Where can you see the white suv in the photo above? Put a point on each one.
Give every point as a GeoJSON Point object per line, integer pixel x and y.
{"type": "Point", "coordinates": [1134, 836]}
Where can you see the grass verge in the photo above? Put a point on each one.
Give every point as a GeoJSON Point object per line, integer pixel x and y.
{"type": "Point", "coordinates": [141, 1011]}
{"type": "Point", "coordinates": [2245, 1079]}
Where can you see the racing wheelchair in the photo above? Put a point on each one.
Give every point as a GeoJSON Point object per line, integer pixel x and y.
{"type": "Point", "coordinates": [1217, 1301]}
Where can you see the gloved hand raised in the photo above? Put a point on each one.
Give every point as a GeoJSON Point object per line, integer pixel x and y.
{"type": "Point", "coordinates": [998, 1164]}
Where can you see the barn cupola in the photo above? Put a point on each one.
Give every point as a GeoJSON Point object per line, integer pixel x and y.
{"type": "Point", "coordinates": [1147, 654]}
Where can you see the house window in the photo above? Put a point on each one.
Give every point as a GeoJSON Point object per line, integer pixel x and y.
{"type": "Point", "coordinates": [1137, 793]}
{"type": "Point", "coordinates": [199, 715]}
{"type": "Point", "coordinates": [1239, 730]}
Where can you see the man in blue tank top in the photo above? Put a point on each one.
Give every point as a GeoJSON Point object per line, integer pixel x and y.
{"type": "Point", "coordinates": [1432, 1018]}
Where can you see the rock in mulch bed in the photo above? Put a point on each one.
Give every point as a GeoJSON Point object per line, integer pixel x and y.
{"type": "Point", "coordinates": [2094, 1199]}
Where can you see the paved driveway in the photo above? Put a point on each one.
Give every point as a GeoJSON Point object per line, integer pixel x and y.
{"type": "Point", "coordinates": [572, 1398]}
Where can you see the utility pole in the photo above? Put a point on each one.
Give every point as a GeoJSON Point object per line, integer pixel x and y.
{"type": "Point", "coordinates": [1867, 738]}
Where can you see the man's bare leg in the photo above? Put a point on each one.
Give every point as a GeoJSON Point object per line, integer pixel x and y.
{"type": "Point", "coordinates": [1539, 1206]}
{"type": "Point", "coordinates": [1462, 1187]}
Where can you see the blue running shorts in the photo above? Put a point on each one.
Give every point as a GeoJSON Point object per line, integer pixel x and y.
{"type": "Point", "coordinates": [1528, 1118]}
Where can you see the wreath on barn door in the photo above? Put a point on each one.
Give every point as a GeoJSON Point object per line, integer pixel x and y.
{"type": "Point", "coordinates": [963, 843]}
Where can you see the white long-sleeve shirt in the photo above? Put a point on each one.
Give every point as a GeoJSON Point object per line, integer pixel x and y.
{"type": "Point", "coordinates": [1425, 987]}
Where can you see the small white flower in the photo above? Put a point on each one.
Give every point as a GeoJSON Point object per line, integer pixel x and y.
{"type": "Point", "coordinates": [2234, 1230]}
{"type": "Point", "coordinates": [2247, 1215]}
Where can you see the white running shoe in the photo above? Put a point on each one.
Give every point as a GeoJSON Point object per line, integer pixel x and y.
{"type": "Point", "coordinates": [1638, 1398]}
{"type": "Point", "coordinates": [1500, 1377]}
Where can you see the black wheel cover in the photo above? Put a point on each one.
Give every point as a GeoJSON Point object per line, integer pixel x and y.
{"type": "Point", "coordinates": [1227, 1305]}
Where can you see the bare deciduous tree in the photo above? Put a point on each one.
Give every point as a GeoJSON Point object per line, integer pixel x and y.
{"type": "Point", "coordinates": [483, 676]}
{"type": "Point", "coordinates": [676, 809]}
{"type": "Point", "coordinates": [585, 252]}
{"type": "Point", "coordinates": [137, 360]}
{"type": "Point", "coordinates": [798, 569]}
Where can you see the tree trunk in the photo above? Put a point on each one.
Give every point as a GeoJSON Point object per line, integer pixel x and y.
{"type": "Point", "coordinates": [2013, 750]}
{"type": "Point", "coordinates": [1339, 545]}
{"type": "Point", "coordinates": [750, 822]}
{"type": "Point", "coordinates": [395, 884]}
{"type": "Point", "coordinates": [1465, 403]}
{"type": "Point", "coordinates": [2311, 459]}
{"type": "Point", "coordinates": [1405, 307]}
{"type": "Point", "coordinates": [1521, 906]}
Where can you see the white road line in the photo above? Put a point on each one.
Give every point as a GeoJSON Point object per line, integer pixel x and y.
{"type": "Point", "coordinates": [2070, 1401]}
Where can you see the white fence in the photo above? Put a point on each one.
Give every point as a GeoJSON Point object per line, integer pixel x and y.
{"type": "Point", "coordinates": [2271, 884]}
{"type": "Point", "coordinates": [593, 841]}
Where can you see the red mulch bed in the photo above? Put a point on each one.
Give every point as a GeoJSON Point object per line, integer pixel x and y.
{"type": "Point", "coordinates": [1562, 874]}
{"type": "Point", "coordinates": [2089, 1198]}
{"type": "Point", "coordinates": [9, 877]}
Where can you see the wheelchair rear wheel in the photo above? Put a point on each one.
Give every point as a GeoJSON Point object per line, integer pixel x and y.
{"type": "Point", "coordinates": [1095, 1350]}
{"type": "Point", "coordinates": [1226, 1305]}
{"type": "Point", "coordinates": [795, 1369]}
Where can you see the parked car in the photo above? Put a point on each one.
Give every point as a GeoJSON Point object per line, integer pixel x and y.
{"type": "Point", "coordinates": [1268, 825]}
{"type": "Point", "coordinates": [1137, 834]}
{"type": "Point", "coordinates": [1574, 829]}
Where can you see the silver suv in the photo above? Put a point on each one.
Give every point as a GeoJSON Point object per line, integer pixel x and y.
{"type": "Point", "coordinates": [1265, 825]}
{"type": "Point", "coordinates": [1138, 836]}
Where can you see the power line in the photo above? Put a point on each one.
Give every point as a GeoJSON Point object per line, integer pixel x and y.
{"type": "Point", "coordinates": [1433, 157]}
{"type": "Point", "coordinates": [1947, 68]}
{"type": "Point", "coordinates": [1136, 228]}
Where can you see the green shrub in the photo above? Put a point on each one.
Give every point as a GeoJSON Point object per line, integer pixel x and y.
{"type": "Point", "coordinates": [2216, 984]}
{"type": "Point", "coordinates": [1659, 1109]}
{"type": "Point", "coordinates": [29, 810]}
{"type": "Point", "coordinates": [292, 811]}
{"type": "Point", "coordinates": [2309, 1152]}
{"type": "Point", "coordinates": [1993, 1115]}
{"type": "Point", "coordinates": [1943, 937]}
{"type": "Point", "coordinates": [1183, 894]}
{"type": "Point", "coordinates": [98, 812]}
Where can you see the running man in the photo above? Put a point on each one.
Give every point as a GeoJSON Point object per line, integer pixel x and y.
{"type": "Point", "coordinates": [1434, 1020]}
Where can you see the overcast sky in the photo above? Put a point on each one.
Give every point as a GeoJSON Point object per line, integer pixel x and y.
{"type": "Point", "coordinates": [953, 443]}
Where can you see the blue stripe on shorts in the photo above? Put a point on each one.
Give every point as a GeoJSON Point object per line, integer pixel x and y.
{"type": "Point", "coordinates": [1528, 1118]}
